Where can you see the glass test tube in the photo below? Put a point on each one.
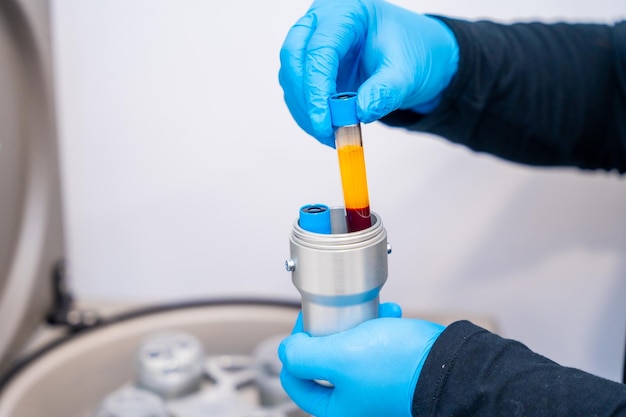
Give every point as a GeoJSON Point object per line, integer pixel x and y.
{"type": "Point", "coordinates": [351, 161]}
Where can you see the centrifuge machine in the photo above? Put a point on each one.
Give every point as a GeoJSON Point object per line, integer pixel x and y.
{"type": "Point", "coordinates": [211, 357]}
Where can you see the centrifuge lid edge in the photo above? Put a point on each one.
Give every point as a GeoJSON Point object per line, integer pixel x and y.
{"type": "Point", "coordinates": [31, 230]}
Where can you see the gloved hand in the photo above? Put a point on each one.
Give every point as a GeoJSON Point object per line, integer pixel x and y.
{"type": "Point", "coordinates": [392, 57]}
{"type": "Point", "coordinates": [373, 367]}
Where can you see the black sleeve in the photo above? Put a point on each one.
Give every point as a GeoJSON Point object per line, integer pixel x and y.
{"type": "Point", "coordinates": [472, 372]}
{"type": "Point", "coordinates": [535, 93]}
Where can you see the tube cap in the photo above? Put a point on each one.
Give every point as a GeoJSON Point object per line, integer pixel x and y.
{"type": "Point", "coordinates": [343, 109]}
{"type": "Point", "coordinates": [315, 218]}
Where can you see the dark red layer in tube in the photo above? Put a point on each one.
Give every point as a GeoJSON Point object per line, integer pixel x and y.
{"type": "Point", "coordinates": [358, 219]}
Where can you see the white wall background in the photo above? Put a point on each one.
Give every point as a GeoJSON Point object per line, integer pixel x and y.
{"type": "Point", "coordinates": [184, 172]}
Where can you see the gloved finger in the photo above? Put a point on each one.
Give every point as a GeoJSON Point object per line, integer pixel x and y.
{"type": "Point", "coordinates": [392, 310]}
{"type": "Point", "coordinates": [331, 41]}
{"type": "Point", "coordinates": [380, 94]}
{"type": "Point", "coordinates": [298, 327]}
{"type": "Point", "coordinates": [413, 74]}
{"type": "Point", "coordinates": [310, 396]}
{"type": "Point", "coordinates": [307, 357]}
{"type": "Point", "coordinates": [290, 75]}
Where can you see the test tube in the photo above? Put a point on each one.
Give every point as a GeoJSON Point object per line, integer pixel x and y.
{"type": "Point", "coordinates": [351, 160]}
{"type": "Point", "coordinates": [315, 218]}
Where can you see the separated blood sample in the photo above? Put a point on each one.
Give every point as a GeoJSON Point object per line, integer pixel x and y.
{"type": "Point", "coordinates": [351, 160]}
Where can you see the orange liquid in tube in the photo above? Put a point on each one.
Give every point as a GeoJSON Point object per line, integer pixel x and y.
{"type": "Point", "coordinates": [351, 160]}
{"type": "Point", "coordinates": [354, 182]}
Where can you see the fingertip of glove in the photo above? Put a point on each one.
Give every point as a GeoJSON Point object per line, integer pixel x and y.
{"type": "Point", "coordinates": [390, 310]}
{"type": "Point", "coordinates": [328, 141]}
{"type": "Point", "coordinates": [321, 126]}
{"type": "Point", "coordinates": [309, 20]}
{"type": "Point", "coordinates": [282, 349]}
{"type": "Point", "coordinates": [285, 345]}
{"type": "Point", "coordinates": [374, 103]}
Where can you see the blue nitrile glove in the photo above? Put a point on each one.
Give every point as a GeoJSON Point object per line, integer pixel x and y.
{"type": "Point", "coordinates": [373, 367]}
{"type": "Point", "coordinates": [392, 57]}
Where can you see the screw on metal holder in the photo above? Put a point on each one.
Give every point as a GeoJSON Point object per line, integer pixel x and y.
{"type": "Point", "coordinates": [290, 265]}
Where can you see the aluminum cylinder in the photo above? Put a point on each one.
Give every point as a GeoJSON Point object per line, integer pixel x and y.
{"type": "Point", "coordinates": [338, 275]}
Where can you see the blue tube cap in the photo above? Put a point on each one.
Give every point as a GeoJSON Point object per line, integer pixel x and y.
{"type": "Point", "coordinates": [315, 218]}
{"type": "Point", "coordinates": [343, 109]}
